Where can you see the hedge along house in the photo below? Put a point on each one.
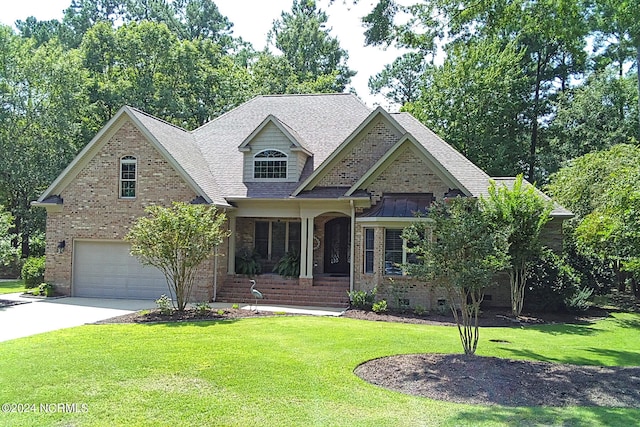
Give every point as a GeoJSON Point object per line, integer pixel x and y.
{"type": "Point", "coordinates": [321, 176]}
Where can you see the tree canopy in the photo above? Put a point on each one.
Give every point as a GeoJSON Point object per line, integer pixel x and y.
{"type": "Point", "coordinates": [61, 81]}
{"type": "Point", "coordinates": [518, 86]}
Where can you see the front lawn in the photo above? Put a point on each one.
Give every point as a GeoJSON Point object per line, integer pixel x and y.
{"type": "Point", "coordinates": [279, 371]}
{"type": "Point", "coordinates": [11, 287]}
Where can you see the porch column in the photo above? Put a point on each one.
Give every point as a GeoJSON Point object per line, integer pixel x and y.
{"type": "Point", "coordinates": [306, 250]}
{"type": "Point", "coordinates": [231, 255]}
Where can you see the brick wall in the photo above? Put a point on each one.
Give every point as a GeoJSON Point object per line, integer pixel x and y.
{"type": "Point", "coordinates": [410, 173]}
{"type": "Point", "coordinates": [363, 154]}
{"type": "Point", "coordinates": [93, 210]}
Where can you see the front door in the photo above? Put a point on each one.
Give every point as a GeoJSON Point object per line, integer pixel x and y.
{"type": "Point", "coordinates": [337, 237]}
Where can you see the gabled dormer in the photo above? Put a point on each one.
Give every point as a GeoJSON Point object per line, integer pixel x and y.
{"type": "Point", "coordinates": [273, 152]}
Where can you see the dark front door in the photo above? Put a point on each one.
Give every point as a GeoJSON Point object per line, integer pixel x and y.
{"type": "Point", "coordinates": [337, 235]}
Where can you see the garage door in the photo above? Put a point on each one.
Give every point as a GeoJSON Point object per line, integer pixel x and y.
{"type": "Point", "coordinates": [107, 270]}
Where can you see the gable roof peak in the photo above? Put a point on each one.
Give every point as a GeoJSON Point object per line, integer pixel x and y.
{"type": "Point", "coordinates": [135, 110]}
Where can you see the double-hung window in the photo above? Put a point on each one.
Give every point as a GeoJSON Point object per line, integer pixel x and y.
{"type": "Point", "coordinates": [128, 166]}
{"type": "Point", "coordinates": [369, 244]}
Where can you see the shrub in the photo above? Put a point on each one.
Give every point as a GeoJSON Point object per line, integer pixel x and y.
{"type": "Point", "coordinates": [288, 265]}
{"type": "Point", "coordinates": [380, 306]}
{"type": "Point", "coordinates": [362, 300]}
{"type": "Point", "coordinates": [33, 271]}
{"type": "Point", "coordinates": [46, 289]}
{"type": "Point", "coordinates": [247, 262]}
{"type": "Point", "coordinates": [164, 305]}
{"type": "Point", "coordinates": [202, 308]}
{"type": "Point", "coordinates": [419, 310]}
{"type": "Point", "coordinates": [579, 301]}
{"type": "Point", "coordinates": [551, 282]}
{"type": "Point", "coordinates": [595, 273]}
{"type": "Point", "coordinates": [235, 306]}
{"type": "Point", "coordinates": [399, 293]}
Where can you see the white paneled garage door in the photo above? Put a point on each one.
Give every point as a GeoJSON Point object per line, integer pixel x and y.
{"type": "Point", "coordinates": [107, 270]}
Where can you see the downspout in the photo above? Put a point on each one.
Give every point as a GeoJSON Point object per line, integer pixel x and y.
{"type": "Point", "coordinates": [215, 273]}
{"type": "Point", "coordinates": [353, 246]}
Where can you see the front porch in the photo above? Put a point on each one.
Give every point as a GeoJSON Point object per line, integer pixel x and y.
{"type": "Point", "coordinates": [321, 291]}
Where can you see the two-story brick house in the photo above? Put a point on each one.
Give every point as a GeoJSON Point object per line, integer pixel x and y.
{"type": "Point", "coordinates": [321, 175]}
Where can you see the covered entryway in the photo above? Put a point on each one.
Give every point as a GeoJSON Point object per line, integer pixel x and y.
{"type": "Point", "coordinates": [337, 235]}
{"type": "Point", "coordinates": [107, 270]}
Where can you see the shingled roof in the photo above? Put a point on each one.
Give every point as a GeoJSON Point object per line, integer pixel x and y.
{"type": "Point", "coordinates": [211, 158]}
{"type": "Point", "coordinates": [322, 122]}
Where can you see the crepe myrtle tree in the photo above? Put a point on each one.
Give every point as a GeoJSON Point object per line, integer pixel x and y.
{"type": "Point", "coordinates": [458, 249]}
{"type": "Point", "coordinates": [177, 240]}
{"type": "Point", "coordinates": [522, 212]}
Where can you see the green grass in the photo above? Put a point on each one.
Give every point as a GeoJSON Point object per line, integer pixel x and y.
{"type": "Point", "coordinates": [11, 287]}
{"type": "Point", "coordinates": [281, 371]}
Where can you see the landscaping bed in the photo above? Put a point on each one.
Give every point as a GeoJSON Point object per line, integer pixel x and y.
{"type": "Point", "coordinates": [189, 315]}
{"type": "Point", "coordinates": [497, 381]}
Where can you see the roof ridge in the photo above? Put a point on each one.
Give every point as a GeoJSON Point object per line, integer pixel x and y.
{"type": "Point", "coordinates": [215, 119]}
{"type": "Point", "coordinates": [283, 95]}
{"type": "Point", "coordinates": [158, 119]}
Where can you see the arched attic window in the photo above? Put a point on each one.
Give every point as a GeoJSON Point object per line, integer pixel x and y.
{"type": "Point", "coordinates": [270, 164]}
{"type": "Point", "coordinates": [128, 174]}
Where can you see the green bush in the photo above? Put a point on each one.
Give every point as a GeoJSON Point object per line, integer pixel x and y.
{"type": "Point", "coordinates": [594, 272]}
{"type": "Point", "coordinates": [164, 305]}
{"type": "Point", "coordinates": [362, 300]}
{"type": "Point", "coordinates": [579, 302]}
{"type": "Point", "coordinates": [202, 308]}
{"type": "Point", "coordinates": [419, 310]}
{"type": "Point", "coordinates": [380, 306]}
{"type": "Point", "coordinates": [46, 289]}
{"type": "Point", "coordinates": [288, 265]}
{"type": "Point", "coordinates": [33, 271]}
{"type": "Point", "coordinates": [551, 282]}
{"type": "Point", "coordinates": [247, 262]}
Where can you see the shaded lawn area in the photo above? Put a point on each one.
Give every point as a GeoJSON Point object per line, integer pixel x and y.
{"type": "Point", "coordinates": [280, 371]}
{"type": "Point", "coordinates": [11, 287]}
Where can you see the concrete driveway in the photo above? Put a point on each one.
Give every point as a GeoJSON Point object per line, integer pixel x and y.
{"type": "Point", "coordinates": [35, 316]}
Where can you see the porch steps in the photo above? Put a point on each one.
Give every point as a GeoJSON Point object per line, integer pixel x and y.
{"type": "Point", "coordinates": [325, 292]}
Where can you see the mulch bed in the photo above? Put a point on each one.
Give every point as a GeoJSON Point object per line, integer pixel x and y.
{"type": "Point", "coordinates": [189, 315]}
{"type": "Point", "coordinates": [488, 318]}
{"type": "Point", "coordinates": [495, 381]}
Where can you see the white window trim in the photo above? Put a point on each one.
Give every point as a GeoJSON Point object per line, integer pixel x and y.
{"type": "Point", "coordinates": [256, 159]}
{"type": "Point", "coordinates": [404, 253]}
{"type": "Point", "coordinates": [128, 160]}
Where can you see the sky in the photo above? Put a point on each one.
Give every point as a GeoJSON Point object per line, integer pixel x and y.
{"type": "Point", "coordinates": [252, 21]}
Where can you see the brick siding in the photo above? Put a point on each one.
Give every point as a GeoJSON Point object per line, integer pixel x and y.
{"type": "Point", "coordinates": [93, 210]}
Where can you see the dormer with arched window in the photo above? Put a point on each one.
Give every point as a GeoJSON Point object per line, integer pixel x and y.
{"type": "Point", "coordinates": [270, 164]}
{"type": "Point", "coordinates": [273, 152]}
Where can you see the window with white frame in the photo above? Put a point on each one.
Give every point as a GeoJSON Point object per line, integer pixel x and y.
{"type": "Point", "coordinates": [395, 253]}
{"type": "Point", "coordinates": [128, 173]}
{"type": "Point", "coordinates": [270, 164]}
{"type": "Point", "coordinates": [369, 244]}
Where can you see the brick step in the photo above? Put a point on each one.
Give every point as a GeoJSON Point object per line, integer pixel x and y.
{"type": "Point", "coordinates": [326, 291]}
{"type": "Point", "coordinates": [288, 301]}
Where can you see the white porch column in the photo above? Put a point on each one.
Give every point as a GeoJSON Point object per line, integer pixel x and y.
{"type": "Point", "coordinates": [306, 250]}
{"type": "Point", "coordinates": [231, 255]}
